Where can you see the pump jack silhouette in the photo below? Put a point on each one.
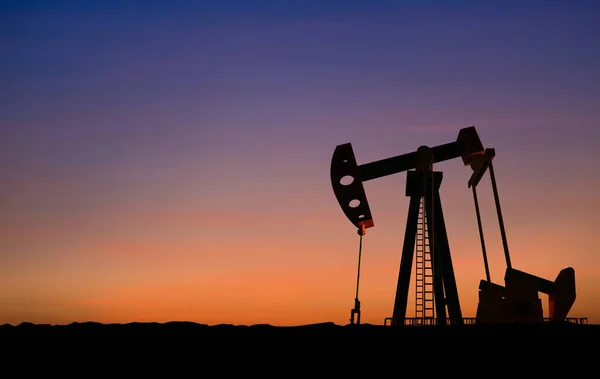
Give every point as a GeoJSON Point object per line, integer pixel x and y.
{"type": "Point", "coordinates": [517, 301]}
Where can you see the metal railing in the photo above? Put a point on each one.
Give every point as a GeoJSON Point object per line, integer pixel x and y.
{"type": "Point", "coordinates": [431, 321]}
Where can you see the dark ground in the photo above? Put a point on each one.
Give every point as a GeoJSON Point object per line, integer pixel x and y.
{"type": "Point", "coordinates": [322, 329]}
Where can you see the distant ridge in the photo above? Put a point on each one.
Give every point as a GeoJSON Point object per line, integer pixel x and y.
{"type": "Point", "coordinates": [184, 328]}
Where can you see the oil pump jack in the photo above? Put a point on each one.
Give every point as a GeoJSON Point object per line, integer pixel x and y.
{"type": "Point", "coordinates": [426, 241]}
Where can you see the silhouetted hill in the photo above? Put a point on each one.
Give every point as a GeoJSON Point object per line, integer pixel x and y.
{"type": "Point", "coordinates": [322, 329]}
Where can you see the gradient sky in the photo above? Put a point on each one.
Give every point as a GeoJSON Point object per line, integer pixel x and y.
{"type": "Point", "coordinates": [170, 160]}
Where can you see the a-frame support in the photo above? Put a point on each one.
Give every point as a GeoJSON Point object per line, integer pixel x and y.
{"type": "Point", "coordinates": [424, 185]}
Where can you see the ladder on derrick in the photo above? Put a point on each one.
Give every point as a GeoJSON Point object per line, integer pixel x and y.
{"type": "Point", "coordinates": [424, 304]}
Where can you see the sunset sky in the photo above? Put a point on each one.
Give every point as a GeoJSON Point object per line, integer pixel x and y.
{"type": "Point", "coordinates": [169, 160]}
